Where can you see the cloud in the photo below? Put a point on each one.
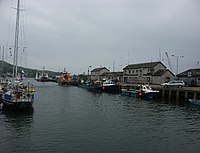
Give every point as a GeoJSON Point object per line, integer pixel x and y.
{"type": "Point", "coordinates": [75, 34]}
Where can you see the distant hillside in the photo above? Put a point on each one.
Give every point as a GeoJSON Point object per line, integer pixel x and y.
{"type": "Point", "coordinates": [7, 69]}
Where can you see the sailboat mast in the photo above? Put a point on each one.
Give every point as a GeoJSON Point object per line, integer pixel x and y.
{"type": "Point", "coordinates": [15, 58]}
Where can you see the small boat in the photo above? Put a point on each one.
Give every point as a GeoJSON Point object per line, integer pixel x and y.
{"type": "Point", "coordinates": [127, 92]}
{"type": "Point", "coordinates": [65, 79]}
{"type": "Point", "coordinates": [146, 91]}
{"type": "Point", "coordinates": [42, 76]}
{"type": "Point", "coordinates": [95, 86]}
{"type": "Point", "coordinates": [43, 79]}
{"type": "Point", "coordinates": [142, 91]}
{"type": "Point", "coordinates": [20, 96]}
{"type": "Point", "coordinates": [194, 102]}
{"type": "Point", "coordinates": [111, 87]}
{"type": "Point", "coordinates": [83, 84]}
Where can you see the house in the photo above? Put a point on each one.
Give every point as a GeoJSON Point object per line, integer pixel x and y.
{"type": "Point", "coordinates": [97, 72]}
{"type": "Point", "coordinates": [191, 77]}
{"type": "Point", "coordinates": [117, 76]}
{"type": "Point", "coordinates": [152, 72]}
{"type": "Point", "coordinates": [161, 76]}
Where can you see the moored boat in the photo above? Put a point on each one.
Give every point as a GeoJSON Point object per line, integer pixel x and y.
{"type": "Point", "coordinates": [65, 79]}
{"type": "Point", "coordinates": [92, 86]}
{"type": "Point", "coordinates": [194, 102]}
{"type": "Point", "coordinates": [95, 86]}
{"type": "Point", "coordinates": [19, 96]}
{"type": "Point", "coordinates": [142, 91]}
{"type": "Point", "coordinates": [131, 93]}
{"type": "Point", "coordinates": [146, 91]}
{"type": "Point", "coordinates": [110, 87]}
{"type": "Point", "coordinates": [42, 76]}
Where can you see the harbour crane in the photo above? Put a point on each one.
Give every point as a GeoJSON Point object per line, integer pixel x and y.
{"type": "Point", "coordinates": [169, 63]}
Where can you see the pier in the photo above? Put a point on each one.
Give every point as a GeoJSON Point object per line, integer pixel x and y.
{"type": "Point", "coordinates": [179, 94]}
{"type": "Point", "coordinates": [173, 93]}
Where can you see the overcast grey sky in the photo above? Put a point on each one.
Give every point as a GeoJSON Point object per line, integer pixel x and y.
{"type": "Point", "coordinates": [74, 34]}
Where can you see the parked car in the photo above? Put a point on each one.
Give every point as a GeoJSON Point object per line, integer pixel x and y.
{"type": "Point", "coordinates": [175, 83]}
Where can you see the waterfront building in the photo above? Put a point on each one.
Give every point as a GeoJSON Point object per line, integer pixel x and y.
{"type": "Point", "coordinates": [116, 76]}
{"type": "Point", "coordinates": [191, 77]}
{"type": "Point", "coordinates": [161, 76]}
{"type": "Point", "coordinates": [97, 72]}
{"type": "Point", "coordinates": [151, 72]}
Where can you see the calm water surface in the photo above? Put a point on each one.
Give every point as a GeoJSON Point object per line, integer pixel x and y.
{"type": "Point", "coordinates": [71, 119]}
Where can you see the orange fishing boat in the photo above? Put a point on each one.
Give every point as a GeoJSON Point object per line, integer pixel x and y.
{"type": "Point", "coordinates": [65, 79]}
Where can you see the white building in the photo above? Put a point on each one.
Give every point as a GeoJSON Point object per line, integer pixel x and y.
{"type": "Point", "coordinates": [152, 72]}
{"type": "Point", "coordinates": [97, 72]}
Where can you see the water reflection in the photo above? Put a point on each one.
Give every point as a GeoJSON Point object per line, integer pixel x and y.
{"type": "Point", "coordinates": [17, 125]}
{"type": "Point", "coordinates": [18, 118]}
{"type": "Point", "coordinates": [72, 119]}
{"type": "Point", "coordinates": [18, 112]}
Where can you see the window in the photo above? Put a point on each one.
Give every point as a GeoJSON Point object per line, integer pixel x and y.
{"type": "Point", "coordinates": [131, 79]}
{"type": "Point", "coordinates": [152, 70]}
{"type": "Point", "coordinates": [189, 74]}
{"type": "Point", "coordinates": [167, 79]}
{"type": "Point", "coordinates": [148, 79]}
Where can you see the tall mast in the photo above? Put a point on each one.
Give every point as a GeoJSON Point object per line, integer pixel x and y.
{"type": "Point", "coordinates": [15, 58]}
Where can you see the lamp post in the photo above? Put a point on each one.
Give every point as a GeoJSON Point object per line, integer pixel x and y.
{"type": "Point", "coordinates": [89, 69]}
{"type": "Point", "coordinates": [89, 78]}
{"type": "Point", "coordinates": [177, 60]}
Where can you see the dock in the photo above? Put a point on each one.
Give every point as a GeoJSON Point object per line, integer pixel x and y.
{"type": "Point", "coordinates": [173, 93]}
{"type": "Point", "coordinates": [179, 94]}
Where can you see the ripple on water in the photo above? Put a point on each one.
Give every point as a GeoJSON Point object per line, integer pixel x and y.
{"type": "Point", "coordinates": [71, 119]}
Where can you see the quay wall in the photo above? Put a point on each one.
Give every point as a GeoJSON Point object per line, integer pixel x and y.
{"type": "Point", "coordinates": [173, 93]}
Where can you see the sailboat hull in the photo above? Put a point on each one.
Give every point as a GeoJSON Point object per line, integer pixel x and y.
{"type": "Point", "coordinates": [17, 102]}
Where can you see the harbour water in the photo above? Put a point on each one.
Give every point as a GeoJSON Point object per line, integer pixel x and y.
{"type": "Point", "coordinates": [71, 119]}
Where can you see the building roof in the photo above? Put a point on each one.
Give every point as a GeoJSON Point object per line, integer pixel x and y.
{"type": "Point", "coordinates": [161, 72]}
{"type": "Point", "coordinates": [142, 65]}
{"type": "Point", "coordinates": [99, 69]}
{"type": "Point", "coordinates": [112, 74]}
{"type": "Point", "coordinates": [194, 72]}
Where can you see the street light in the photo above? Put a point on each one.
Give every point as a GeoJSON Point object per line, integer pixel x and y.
{"type": "Point", "coordinates": [88, 69]}
{"type": "Point", "coordinates": [89, 78]}
{"type": "Point", "coordinates": [177, 60]}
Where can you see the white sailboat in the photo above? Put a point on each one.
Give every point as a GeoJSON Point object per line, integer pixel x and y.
{"type": "Point", "coordinates": [18, 95]}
